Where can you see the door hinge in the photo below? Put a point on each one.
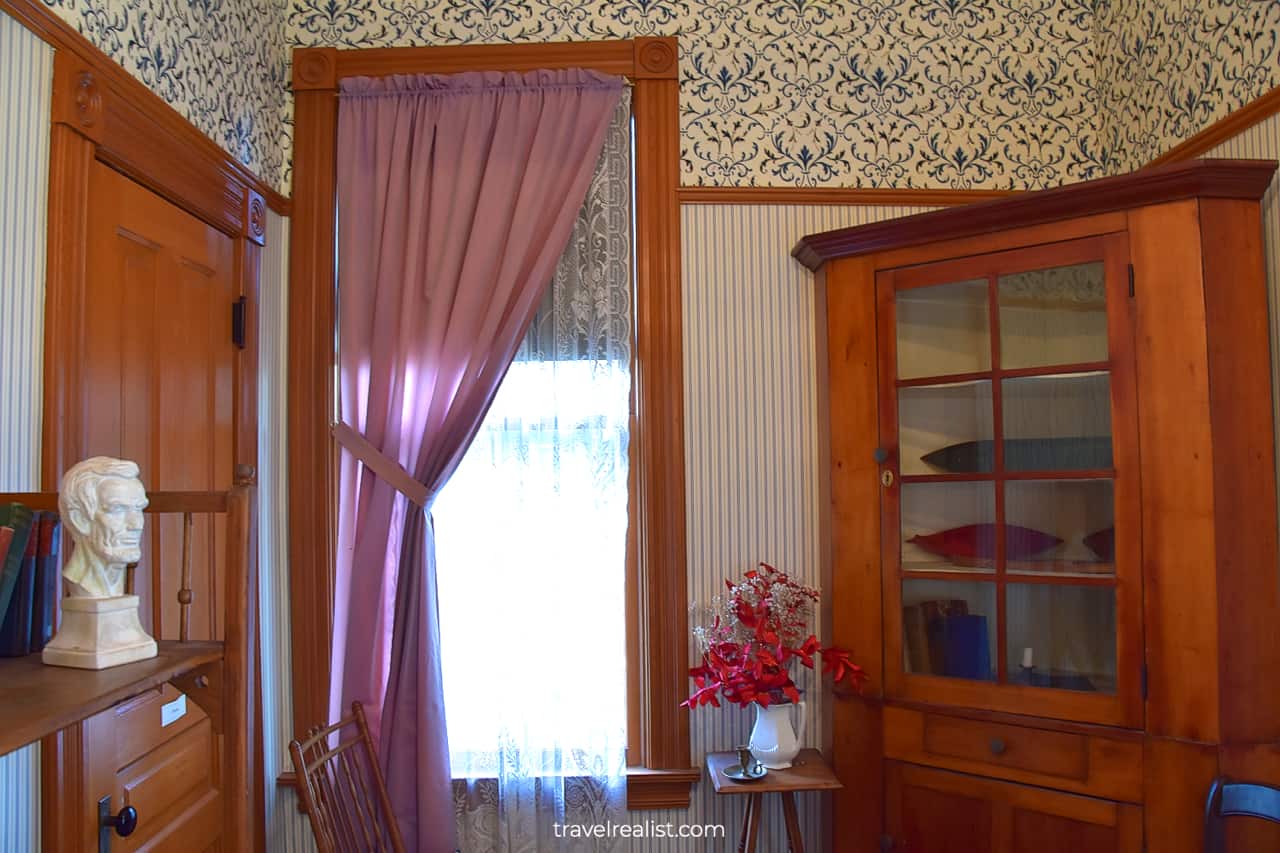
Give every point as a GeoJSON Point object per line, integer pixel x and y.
{"type": "Point", "coordinates": [1130, 281]}
{"type": "Point", "coordinates": [1144, 681]}
{"type": "Point", "coordinates": [239, 309]}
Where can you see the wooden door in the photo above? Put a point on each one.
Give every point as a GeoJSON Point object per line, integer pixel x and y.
{"type": "Point", "coordinates": [936, 811]}
{"type": "Point", "coordinates": [156, 382]}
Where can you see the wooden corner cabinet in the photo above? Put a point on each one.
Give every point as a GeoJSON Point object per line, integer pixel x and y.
{"type": "Point", "coordinates": [1052, 526]}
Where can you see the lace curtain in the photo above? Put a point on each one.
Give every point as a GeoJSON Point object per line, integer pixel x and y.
{"type": "Point", "coordinates": [531, 544]}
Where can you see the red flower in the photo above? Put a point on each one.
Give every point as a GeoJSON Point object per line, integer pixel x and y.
{"type": "Point", "coordinates": [748, 654]}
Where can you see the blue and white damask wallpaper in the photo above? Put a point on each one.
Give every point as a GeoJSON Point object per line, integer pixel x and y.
{"type": "Point", "coordinates": [223, 64]}
{"type": "Point", "coordinates": [875, 93]}
{"type": "Point", "coordinates": [844, 93]}
{"type": "Point", "coordinates": [1168, 68]}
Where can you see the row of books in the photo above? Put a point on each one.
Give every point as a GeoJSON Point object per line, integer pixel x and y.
{"type": "Point", "coordinates": [944, 638]}
{"type": "Point", "coordinates": [28, 578]}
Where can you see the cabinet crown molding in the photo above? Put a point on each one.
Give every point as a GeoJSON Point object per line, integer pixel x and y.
{"type": "Point", "coordinates": [1237, 179]}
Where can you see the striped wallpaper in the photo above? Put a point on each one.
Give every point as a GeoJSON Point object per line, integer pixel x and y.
{"type": "Point", "coordinates": [286, 829]}
{"type": "Point", "coordinates": [26, 83]}
{"type": "Point", "coordinates": [751, 435]}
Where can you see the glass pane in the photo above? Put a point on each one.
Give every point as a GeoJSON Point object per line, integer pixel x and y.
{"type": "Point", "coordinates": [1075, 519]}
{"type": "Point", "coordinates": [1057, 423]}
{"type": "Point", "coordinates": [948, 527]}
{"type": "Point", "coordinates": [949, 628]}
{"type": "Point", "coordinates": [943, 329]}
{"type": "Point", "coordinates": [1053, 316]}
{"type": "Point", "coordinates": [945, 428]}
{"type": "Point", "coordinates": [1062, 636]}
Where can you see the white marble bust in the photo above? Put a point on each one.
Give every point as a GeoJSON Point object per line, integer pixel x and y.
{"type": "Point", "coordinates": [101, 503]}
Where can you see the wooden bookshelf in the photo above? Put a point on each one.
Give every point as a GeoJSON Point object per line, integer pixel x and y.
{"type": "Point", "coordinates": [38, 700]}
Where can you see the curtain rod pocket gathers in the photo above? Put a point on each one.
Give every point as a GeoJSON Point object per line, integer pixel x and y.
{"type": "Point", "coordinates": [479, 82]}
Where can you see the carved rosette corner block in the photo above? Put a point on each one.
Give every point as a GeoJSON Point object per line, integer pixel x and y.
{"type": "Point", "coordinates": [88, 99]}
{"type": "Point", "coordinates": [255, 218]}
{"type": "Point", "coordinates": [79, 100]}
{"type": "Point", "coordinates": [656, 58]}
{"type": "Point", "coordinates": [315, 68]}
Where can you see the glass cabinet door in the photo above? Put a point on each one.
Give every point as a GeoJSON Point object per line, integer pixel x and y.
{"type": "Point", "coordinates": [1010, 573]}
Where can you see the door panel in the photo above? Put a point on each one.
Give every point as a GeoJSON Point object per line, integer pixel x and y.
{"type": "Point", "coordinates": [944, 822]}
{"type": "Point", "coordinates": [1036, 832]}
{"type": "Point", "coordinates": [158, 377]}
{"type": "Point", "coordinates": [936, 811]}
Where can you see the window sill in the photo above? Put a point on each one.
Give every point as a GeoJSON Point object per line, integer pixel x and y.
{"type": "Point", "coordinates": [660, 789]}
{"type": "Point", "coordinates": [646, 789]}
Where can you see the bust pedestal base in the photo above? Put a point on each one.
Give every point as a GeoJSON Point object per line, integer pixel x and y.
{"type": "Point", "coordinates": [97, 633]}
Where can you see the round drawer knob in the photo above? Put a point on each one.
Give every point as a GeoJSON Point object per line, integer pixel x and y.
{"type": "Point", "coordinates": [124, 823]}
{"type": "Point", "coordinates": [998, 746]}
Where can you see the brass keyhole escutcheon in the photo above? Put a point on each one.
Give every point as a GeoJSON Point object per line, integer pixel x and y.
{"type": "Point", "coordinates": [886, 478]}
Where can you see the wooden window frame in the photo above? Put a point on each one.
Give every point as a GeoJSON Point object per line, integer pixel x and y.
{"type": "Point", "coordinates": [657, 600]}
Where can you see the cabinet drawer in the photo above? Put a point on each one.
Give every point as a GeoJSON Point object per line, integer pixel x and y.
{"type": "Point", "coordinates": [1068, 760]}
{"type": "Point", "coordinates": [139, 727]}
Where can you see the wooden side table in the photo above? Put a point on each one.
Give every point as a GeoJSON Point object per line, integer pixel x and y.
{"type": "Point", "coordinates": [807, 773]}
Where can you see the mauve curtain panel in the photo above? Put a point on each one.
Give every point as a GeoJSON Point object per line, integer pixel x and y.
{"type": "Point", "coordinates": [456, 197]}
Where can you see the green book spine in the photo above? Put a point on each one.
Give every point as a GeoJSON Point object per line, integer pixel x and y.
{"type": "Point", "coordinates": [19, 517]}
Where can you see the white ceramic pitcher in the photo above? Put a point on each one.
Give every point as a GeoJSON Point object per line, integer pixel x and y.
{"type": "Point", "coordinates": [773, 739]}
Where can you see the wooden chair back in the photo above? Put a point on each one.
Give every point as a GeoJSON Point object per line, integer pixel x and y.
{"type": "Point", "coordinates": [1236, 799]}
{"type": "Point", "coordinates": [342, 788]}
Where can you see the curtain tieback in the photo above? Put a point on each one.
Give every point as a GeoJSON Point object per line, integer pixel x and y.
{"type": "Point", "coordinates": [387, 469]}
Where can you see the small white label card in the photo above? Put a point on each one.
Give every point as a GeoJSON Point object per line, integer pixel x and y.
{"type": "Point", "coordinates": [171, 712]}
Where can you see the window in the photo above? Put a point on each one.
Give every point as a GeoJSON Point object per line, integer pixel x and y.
{"type": "Point", "coordinates": [531, 530]}
{"type": "Point", "coordinates": [656, 593]}
{"type": "Point", "coordinates": [531, 548]}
